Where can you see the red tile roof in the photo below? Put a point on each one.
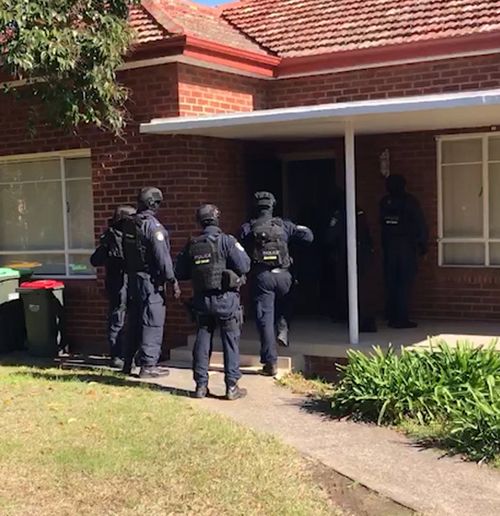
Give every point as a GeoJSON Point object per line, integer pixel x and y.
{"type": "Point", "coordinates": [146, 28]}
{"type": "Point", "coordinates": [160, 19]}
{"type": "Point", "coordinates": [292, 28]}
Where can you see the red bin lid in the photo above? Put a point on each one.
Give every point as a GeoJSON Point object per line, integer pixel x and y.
{"type": "Point", "coordinates": [42, 284]}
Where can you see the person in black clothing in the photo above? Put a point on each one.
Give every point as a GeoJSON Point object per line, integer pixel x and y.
{"type": "Point", "coordinates": [335, 242]}
{"type": "Point", "coordinates": [216, 264]}
{"type": "Point", "coordinates": [109, 254]}
{"type": "Point", "coordinates": [404, 237]}
{"type": "Point", "coordinates": [149, 267]}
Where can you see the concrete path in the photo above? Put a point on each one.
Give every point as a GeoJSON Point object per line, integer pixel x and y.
{"type": "Point", "coordinates": [378, 458]}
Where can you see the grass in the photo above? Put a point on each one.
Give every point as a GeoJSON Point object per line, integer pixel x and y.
{"type": "Point", "coordinates": [315, 387]}
{"type": "Point", "coordinates": [93, 444]}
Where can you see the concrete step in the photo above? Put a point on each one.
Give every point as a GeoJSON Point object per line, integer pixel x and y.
{"type": "Point", "coordinates": [185, 356]}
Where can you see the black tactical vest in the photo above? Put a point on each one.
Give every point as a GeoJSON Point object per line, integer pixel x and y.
{"type": "Point", "coordinates": [270, 244]}
{"type": "Point", "coordinates": [207, 263]}
{"type": "Point", "coordinates": [114, 241]}
{"type": "Point", "coordinates": [134, 248]}
{"type": "Point", "coordinates": [395, 219]}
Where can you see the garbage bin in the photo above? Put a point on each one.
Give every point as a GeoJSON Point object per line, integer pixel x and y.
{"type": "Point", "coordinates": [44, 315]}
{"type": "Point", "coordinates": [11, 312]}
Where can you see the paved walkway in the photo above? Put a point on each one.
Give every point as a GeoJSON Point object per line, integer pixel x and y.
{"type": "Point", "coordinates": [378, 458]}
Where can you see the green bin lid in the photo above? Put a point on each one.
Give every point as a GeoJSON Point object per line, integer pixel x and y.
{"type": "Point", "coordinates": [7, 274]}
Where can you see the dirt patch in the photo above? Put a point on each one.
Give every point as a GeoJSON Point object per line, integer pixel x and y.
{"type": "Point", "coordinates": [353, 498]}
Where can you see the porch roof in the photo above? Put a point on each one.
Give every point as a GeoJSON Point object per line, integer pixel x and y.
{"type": "Point", "coordinates": [424, 112]}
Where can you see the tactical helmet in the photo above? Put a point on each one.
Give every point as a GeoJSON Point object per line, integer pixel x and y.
{"type": "Point", "coordinates": [395, 185]}
{"type": "Point", "coordinates": [123, 212]}
{"type": "Point", "coordinates": [208, 214]}
{"type": "Point", "coordinates": [264, 200]}
{"type": "Point", "coordinates": [150, 198]}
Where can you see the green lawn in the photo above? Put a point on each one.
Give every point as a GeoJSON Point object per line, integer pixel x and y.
{"type": "Point", "coordinates": [83, 443]}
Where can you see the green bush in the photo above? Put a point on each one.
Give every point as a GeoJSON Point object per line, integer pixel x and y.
{"type": "Point", "coordinates": [459, 388]}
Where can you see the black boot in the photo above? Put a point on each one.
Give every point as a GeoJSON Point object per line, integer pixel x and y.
{"type": "Point", "coordinates": [127, 367]}
{"type": "Point", "coordinates": [200, 392]}
{"type": "Point", "coordinates": [269, 369]}
{"type": "Point", "coordinates": [153, 372]}
{"type": "Point", "coordinates": [233, 392]}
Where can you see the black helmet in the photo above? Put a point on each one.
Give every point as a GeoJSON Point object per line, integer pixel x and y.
{"type": "Point", "coordinates": [395, 185]}
{"type": "Point", "coordinates": [264, 200]}
{"type": "Point", "coordinates": [208, 215]}
{"type": "Point", "coordinates": [149, 198]}
{"type": "Point", "coordinates": [122, 212]}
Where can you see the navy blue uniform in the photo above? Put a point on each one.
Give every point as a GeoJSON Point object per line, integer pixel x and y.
{"type": "Point", "coordinates": [404, 236]}
{"type": "Point", "coordinates": [109, 254]}
{"type": "Point", "coordinates": [271, 288]}
{"type": "Point", "coordinates": [146, 291]}
{"type": "Point", "coordinates": [216, 308]}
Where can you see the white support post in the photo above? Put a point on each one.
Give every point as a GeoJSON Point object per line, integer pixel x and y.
{"type": "Point", "coordinates": [352, 260]}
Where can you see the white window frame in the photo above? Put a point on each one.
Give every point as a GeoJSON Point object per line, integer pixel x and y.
{"type": "Point", "coordinates": [49, 156]}
{"type": "Point", "coordinates": [486, 240]}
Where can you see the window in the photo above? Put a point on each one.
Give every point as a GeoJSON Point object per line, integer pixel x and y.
{"type": "Point", "coordinates": [469, 197]}
{"type": "Point", "coordinates": [47, 213]}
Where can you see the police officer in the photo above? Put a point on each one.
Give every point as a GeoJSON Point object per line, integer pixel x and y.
{"type": "Point", "coordinates": [404, 236]}
{"type": "Point", "coordinates": [149, 266]}
{"type": "Point", "coordinates": [335, 241]}
{"type": "Point", "coordinates": [215, 263]}
{"type": "Point", "coordinates": [266, 239]}
{"type": "Point", "coordinates": [109, 253]}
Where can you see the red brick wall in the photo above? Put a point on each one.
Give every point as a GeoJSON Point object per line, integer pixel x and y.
{"type": "Point", "coordinates": [468, 73]}
{"type": "Point", "coordinates": [188, 170]}
{"type": "Point", "coordinates": [205, 92]}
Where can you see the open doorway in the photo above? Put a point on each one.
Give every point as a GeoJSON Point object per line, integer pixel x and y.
{"type": "Point", "coordinates": [308, 188]}
{"type": "Point", "coordinates": [303, 187]}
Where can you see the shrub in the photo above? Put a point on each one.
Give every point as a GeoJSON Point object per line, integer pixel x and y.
{"type": "Point", "coordinates": [457, 387]}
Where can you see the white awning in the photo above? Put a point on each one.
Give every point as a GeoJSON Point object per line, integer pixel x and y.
{"type": "Point", "coordinates": [425, 112]}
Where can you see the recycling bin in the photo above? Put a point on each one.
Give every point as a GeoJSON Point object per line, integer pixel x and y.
{"type": "Point", "coordinates": [44, 316]}
{"type": "Point", "coordinates": [11, 312]}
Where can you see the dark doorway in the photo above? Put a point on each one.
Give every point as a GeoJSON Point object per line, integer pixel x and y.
{"type": "Point", "coordinates": [266, 175]}
{"type": "Point", "coordinates": [309, 188]}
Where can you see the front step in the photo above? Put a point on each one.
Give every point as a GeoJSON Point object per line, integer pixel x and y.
{"type": "Point", "coordinates": [185, 356]}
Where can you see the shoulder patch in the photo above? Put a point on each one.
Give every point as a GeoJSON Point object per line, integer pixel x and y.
{"type": "Point", "coordinates": [302, 228]}
{"type": "Point", "coordinates": [239, 247]}
{"type": "Point", "coordinates": [160, 236]}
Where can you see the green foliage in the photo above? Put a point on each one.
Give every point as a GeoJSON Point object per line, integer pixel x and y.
{"type": "Point", "coordinates": [457, 388]}
{"type": "Point", "coordinates": [68, 51]}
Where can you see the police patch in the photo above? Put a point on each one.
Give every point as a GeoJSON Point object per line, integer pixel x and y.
{"type": "Point", "coordinates": [160, 236]}
{"type": "Point", "coordinates": [239, 247]}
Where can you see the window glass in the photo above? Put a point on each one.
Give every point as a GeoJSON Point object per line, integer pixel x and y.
{"type": "Point", "coordinates": [11, 172]}
{"type": "Point", "coordinates": [78, 168]}
{"type": "Point", "coordinates": [80, 214]}
{"type": "Point", "coordinates": [463, 254]}
{"type": "Point", "coordinates": [462, 201]}
{"type": "Point", "coordinates": [41, 264]}
{"type": "Point", "coordinates": [494, 148]}
{"type": "Point", "coordinates": [462, 151]}
{"type": "Point", "coordinates": [31, 215]}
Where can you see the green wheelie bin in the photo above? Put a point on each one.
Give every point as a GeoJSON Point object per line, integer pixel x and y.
{"type": "Point", "coordinates": [11, 312]}
{"type": "Point", "coordinates": [44, 315]}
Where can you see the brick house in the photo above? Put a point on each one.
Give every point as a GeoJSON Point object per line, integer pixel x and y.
{"type": "Point", "coordinates": [296, 96]}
